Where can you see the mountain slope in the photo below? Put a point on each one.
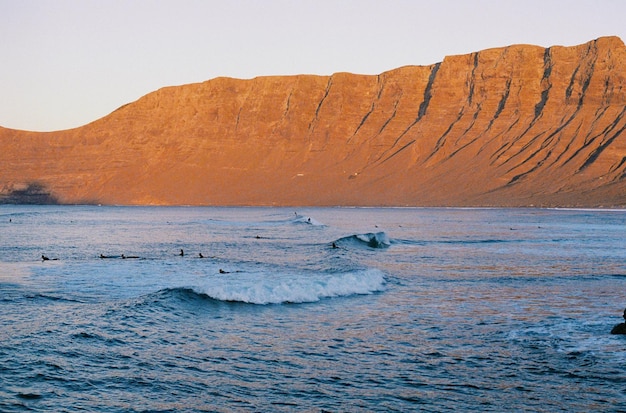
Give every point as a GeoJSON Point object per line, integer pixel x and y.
{"type": "Point", "coordinates": [513, 126]}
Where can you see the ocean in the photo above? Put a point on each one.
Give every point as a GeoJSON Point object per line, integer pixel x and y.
{"type": "Point", "coordinates": [311, 309]}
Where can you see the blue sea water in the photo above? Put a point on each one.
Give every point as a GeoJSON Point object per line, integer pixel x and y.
{"type": "Point", "coordinates": [409, 310]}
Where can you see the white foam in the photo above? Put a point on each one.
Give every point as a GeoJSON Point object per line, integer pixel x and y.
{"type": "Point", "coordinates": [307, 220]}
{"type": "Point", "coordinates": [264, 288]}
{"type": "Point", "coordinates": [377, 240]}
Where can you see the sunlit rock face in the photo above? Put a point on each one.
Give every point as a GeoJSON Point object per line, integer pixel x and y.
{"type": "Point", "coordinates": [514, 126]}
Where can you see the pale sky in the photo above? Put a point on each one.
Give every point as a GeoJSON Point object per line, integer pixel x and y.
{"type": "Point", "coordinates": [65, 63]}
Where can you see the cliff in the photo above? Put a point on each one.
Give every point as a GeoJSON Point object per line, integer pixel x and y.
{"type": "Point", "coordinates": [514, 126]}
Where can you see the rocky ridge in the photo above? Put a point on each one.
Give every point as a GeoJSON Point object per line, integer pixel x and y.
{"type": "Point", "coordinates": [514, 126]}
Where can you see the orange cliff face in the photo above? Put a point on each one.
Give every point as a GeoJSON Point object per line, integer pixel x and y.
{"type": "Point", "coordinates": [514, 126]}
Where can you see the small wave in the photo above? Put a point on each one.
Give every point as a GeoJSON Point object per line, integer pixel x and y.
{"type": "Point", "coordinates": [371, 240]}
{"type": "Point", "coordinates": [263, 288]}
{"type": "Point", "coordinates": [475, 241]}
{"type": "Point", "coordinates": [181, 294]}
{"type": "Point", "coordinates": [273, 220]}
{"type": "Point", "coordinates": [458, 241]}
{"type": "Point", "coordinates": [84, 335]}
{"type": "Point", "coordinates": [47, 297]}
{"type": "Point", "coordinates": [12, 215]}
{"type": "Point", "coordinates": [302, 219]}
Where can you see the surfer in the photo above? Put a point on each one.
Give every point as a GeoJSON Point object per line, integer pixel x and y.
{"type": "Point", "coordinates": [621, 327]}
{"type": "Point", "coordinates": [44, 258]}
{"type": "Point", "coordinates": [182, 253]}
{"type": "Point", "coordinates": [103, 256]}
{"type": "Point", "coordinates": [200, 255]}
{"type": "Point", "coordinates": [334, 246]}
{"type": "Point", "coordinates": [223, 272]}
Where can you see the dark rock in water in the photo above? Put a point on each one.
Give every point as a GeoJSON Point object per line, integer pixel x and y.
{"type": "Point", "coordinates": [619, 329]}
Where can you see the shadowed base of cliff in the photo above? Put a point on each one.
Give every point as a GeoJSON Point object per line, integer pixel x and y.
{"type": "Point", "coordinates": [33, 193]}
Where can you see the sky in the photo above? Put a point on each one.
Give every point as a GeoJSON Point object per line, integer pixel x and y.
{"type": "Point", "coordinates": [65, 63]}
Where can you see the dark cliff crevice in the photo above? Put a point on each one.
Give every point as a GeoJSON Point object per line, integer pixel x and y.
{"type": "Point", "coordinates": [466, 136]}
{"type": "Point", "coordinates": [503, 99]}
{"type": "Point", "coordinates": [367, 115]}
{"type": "Point", "coordinates": [479, 109]}
{"type": "Point", "coordinates": [523, 152]}
{"type": "Point", "coordinates": [320, 104]}
{"type": "Point", "coordinates": [619, 165]}
{"type": "Point", "coordinates": [440, 142]}
{"type": "Point", "coordinates": [371, 109]}
{"type": "Point", "coordinates": [598, 115]}
{"type": "Point", "coordinates": [589, 141]}
{"type": "Point", "coordinates": [398, 151]}
{"type": "Point", "coordinates": [520, 152]}
{"type": "Point", "coordinates": [421, 111]}
{"type": "Point", "coordinates": [487, 143]}
{"type": "Point", "coordinates": [588, 74]}
{"type": "Point", "coordinates": [603, 145]}
{"type": "Point", "coordinates": [393, 115]}
{"type": "Point", "coordinates": [525, 174]}
{"type": "Point", "coordinates": [597, 151]}
{"type": "Point", "coordinates": [532, 154]}
{"type": "Point", "coordinates": [427, 92]}
{"type": "Point", "coordinates": [506, 145]}
{"type": "Point", "coordinates": [572, 137]}
{"type": "Point", "coordinates": [381, 81]}
{"type": "Point", "coordinates": [288, 104]}
{"type": "Point", "coordinates": [545, 82]}
{"type": "Point", "coordinates": [547, 141]}
{"type": "Point", "coordinates": [326, 92]}
{"type": "Point", "coordinates": [237, 119]}
{"type": "Point", "coordinates": [572, 83]}
{"type": "Point", "coordinates": [501, 103]}
{"type": "Point", "coordinates": [470, 93]}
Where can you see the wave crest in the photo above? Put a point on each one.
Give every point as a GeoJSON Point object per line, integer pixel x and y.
{"type": "Point", "coordinates": [372, 240]}
{"type": "Point", "coordinates": [255, 288]}
{"type": "Point", "coordinates": [303, 219]}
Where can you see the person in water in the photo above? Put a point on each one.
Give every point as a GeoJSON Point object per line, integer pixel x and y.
{"type": "Point", "coordinates": [182, 253]}
{"type": "Point", "coordinates": [621, 327]}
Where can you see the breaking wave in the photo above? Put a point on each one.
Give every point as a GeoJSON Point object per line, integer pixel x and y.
{"type": "Point", "coordinates": [259, 288]}
{"type": "Point", "coordinates": [302, 219]}
{"type": "Point", "coordinates": [371, 240]}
